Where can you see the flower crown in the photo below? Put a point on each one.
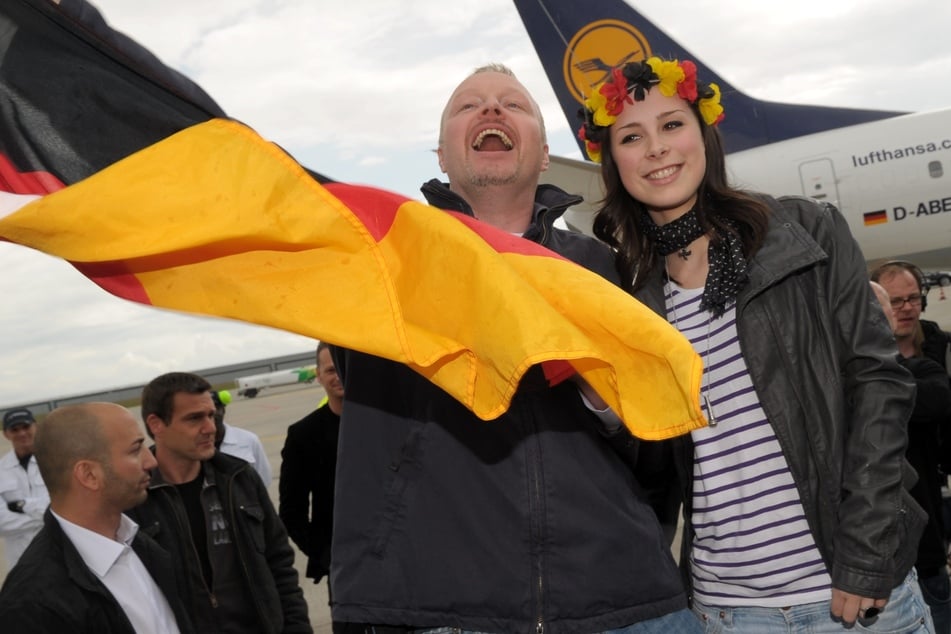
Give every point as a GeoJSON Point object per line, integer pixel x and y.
{"type": "Point", "coordinates": [635, 79]}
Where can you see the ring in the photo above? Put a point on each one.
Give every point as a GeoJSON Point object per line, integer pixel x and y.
{"type": "Point", "coordinates": [869, 613]}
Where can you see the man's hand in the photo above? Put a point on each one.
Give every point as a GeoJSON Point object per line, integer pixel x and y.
{"type": "Point", "coordinates": [848, 607]}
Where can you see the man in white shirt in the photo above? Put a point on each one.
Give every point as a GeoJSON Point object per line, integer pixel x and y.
{"type": "Point", "coordinates": [22, 491]}
{"type": "Point", "coordinates": [239, 442]}
{"type": "Point", "coordinates": [89, 569]}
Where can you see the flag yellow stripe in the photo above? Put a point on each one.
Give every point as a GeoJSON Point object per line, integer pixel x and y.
{"type": "Point", "coordinates": [215, 220]}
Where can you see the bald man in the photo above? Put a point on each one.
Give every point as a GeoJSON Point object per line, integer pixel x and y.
{"type": "Point", "coordinates": [89, 569]}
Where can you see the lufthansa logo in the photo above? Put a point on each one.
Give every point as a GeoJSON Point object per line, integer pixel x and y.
{"type": "Point", "coordinates": [596, 49]}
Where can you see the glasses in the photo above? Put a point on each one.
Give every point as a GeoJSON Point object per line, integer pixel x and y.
{"type": "Point", "coordinates": [911, 300]}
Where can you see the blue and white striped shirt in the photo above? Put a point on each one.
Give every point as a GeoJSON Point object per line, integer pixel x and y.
{"type": "Point", "coordinates": [752, 543]}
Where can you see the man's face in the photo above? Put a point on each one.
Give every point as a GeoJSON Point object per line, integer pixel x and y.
{"type": "Point", "coordinates": [902, 284]}
{"type": "Point", "coordinates": [190, 434]}
{"type": "Point", "coordinates": [491, 134]}
{"type": "Point", "coordinates": [127, 472]}
{"type": "Point", "coordinates": [327, 375]}
{"type": "Point", "coordinates": [21, 437]}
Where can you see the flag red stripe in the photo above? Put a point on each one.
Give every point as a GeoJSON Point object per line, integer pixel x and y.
{"type": "Point", "coordinates": [16, 182]}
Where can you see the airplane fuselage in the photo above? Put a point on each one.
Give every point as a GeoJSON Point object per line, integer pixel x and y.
{"type": "Point", "coordinates": [891, 179]}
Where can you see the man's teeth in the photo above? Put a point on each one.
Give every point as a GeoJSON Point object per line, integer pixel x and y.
{"type": "Point", "coordinates": [492, 132]}
{"type": "Point", "coordinates": [664, 173]}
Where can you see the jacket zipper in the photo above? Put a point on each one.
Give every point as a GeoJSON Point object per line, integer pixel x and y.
{"type": "Point", "coordinates": [537, 517]}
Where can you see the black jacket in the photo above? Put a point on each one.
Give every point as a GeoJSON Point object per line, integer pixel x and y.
{"type": "Point", "coordinates": [265, 557]}
{"type": "Point", "coordinates": [529, 522]}
{"type": "Point", "coordinates": [932, 407]}
{"type": "Point", "coordinates": [822, 360]}
{"type": "Point", "coordinates": [51, 590]}
{"type": "Point", "coordinates": [308, 465]}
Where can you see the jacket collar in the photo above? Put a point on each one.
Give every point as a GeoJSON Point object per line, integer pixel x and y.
{"type": "Point", "coordinates": [788, 248]}
{"type": "Point", "coordinates": [219, 463]}
{"type": "Point", "coordinates": [550, 203]}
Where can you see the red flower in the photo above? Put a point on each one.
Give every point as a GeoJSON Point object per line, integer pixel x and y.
{"type": "Point", "coordinates": [687, 89]}
{"type": "Point", "coordinates": [615, 92]}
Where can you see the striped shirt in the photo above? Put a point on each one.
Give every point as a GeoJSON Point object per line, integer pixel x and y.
{"type": "Point", "coordinates": [752, 545]}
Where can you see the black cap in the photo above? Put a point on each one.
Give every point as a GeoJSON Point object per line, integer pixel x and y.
{"type": "Point", "coordinates": [21, 416]}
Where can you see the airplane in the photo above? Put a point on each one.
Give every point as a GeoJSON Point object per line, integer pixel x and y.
{"type": "Point", "coordinates": [889, 173]}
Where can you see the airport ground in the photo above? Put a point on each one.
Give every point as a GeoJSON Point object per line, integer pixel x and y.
{"type": "Point", "coordinates": [270, 413]}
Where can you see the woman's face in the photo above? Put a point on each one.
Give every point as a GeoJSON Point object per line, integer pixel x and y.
{"type": "Point", "coordinates": [657, 145]}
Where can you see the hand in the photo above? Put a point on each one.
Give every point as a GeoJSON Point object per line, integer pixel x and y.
{"type": "Point", "coordinates": [848, 606]}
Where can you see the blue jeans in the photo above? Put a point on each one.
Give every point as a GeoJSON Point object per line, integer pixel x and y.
{"type": "Point", "coordinates": [906, 613]}
{"type": "Point", "coordinates": [682, 622]}
{"type": "Point", "coordinates": [936, 591]}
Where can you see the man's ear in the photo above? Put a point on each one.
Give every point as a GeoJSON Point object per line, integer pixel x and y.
{"type": "Point", "coordinates": [546, 160]}
{"type": "Point", "coordinates": [442, 166]}
{"type": "Point", "coordinates": [88, 474]}
{"type": "Point", "coordinates": [155, 425]}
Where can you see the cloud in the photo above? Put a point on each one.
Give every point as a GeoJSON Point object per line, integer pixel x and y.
{"type": "Point", "coordinates": [356, 89]}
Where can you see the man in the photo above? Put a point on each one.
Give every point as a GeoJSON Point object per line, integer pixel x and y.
{"type": "Point", "coordinates": [908, 295]}
{"type": "Point", "coordinates": [212, 512]}
{"type": "Point", "coordinates": [23, 492]}
{"type": "Point", "coordinates": [901, 292]}
{"type": "Point", "coordinates": [89, 570]}
{"type": "Point", "coordinates": [309, 461]}
{"type": "Point", "coordinates": [531, 522]}
{"type": "Point", "coordinates": [237, 442]}
{"type": "Point", "coordinates": [308, 466]}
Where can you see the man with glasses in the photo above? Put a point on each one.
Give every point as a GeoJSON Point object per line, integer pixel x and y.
{"type": "Point", "coordinates": [932, 405]}
{"type": "Point", "coordinates": [907, 294]}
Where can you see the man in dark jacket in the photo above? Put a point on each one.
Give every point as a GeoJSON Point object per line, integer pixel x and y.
{"type": "Point", "coordinates": [211, 511]}
{"type": "Point", "coordinates": [929, 422]}
{"type": "Point", "coordinates": [88, 570]}
{"type": "Point", "coordinates": [308, 465]}
{"type": "Point", "coordinates": [528, 523]}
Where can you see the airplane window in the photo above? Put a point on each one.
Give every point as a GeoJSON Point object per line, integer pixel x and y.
{"type": "Point", "coordinates": [935, 169]}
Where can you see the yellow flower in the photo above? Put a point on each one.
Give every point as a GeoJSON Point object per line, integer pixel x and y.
{"type": "Point", "coordinates": [669, 73]}
{"type": "Point", "coordinates": [597, 105]}
{"type": "Point", "coordinates": [594, 151]}
{"type": "Point", "coordinates": [710, 108]}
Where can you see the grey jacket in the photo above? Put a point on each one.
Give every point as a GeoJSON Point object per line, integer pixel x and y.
{"type": "Point", "coordinates": [822, 361]}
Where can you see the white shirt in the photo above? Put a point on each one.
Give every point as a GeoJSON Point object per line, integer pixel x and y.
{"type": "Point", "coordinates": [122, 572]}
{"type": "Point", "coordinates": [17, 483]}
{"type": "Point", "coordinates": [246, 445]}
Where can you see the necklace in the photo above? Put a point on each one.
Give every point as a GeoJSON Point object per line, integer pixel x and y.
{"type": "Point", "coordinates": [705, 387]}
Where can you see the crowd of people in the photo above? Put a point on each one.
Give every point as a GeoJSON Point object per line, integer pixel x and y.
{"type": "Point", "coordinates": [811, 500]}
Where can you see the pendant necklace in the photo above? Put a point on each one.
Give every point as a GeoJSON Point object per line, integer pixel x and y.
{"type": "Point", "coordinates": [704, 389]}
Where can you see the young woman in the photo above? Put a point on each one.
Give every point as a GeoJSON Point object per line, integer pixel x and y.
{"type": "Point", "coordinates": [796, 514]}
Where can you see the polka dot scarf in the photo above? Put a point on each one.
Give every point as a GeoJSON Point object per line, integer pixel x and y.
{"type": "Point", "coordinates": [727, 265]}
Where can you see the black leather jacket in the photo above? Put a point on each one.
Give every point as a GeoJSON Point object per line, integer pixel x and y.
{"type": "Point", "coordinates": [52, 590]}
{"type": "Point", "coordinates": [526, 523]}
{"type": "Point", "coordinates": [822, 360]}
{"type": "Point", "coordinates": [265, 557]}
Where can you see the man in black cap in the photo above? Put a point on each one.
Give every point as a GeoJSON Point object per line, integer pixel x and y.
{"type": "Point", "coordinates": [24, 495]}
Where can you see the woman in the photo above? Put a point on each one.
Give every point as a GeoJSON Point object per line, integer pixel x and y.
{"type": "Point", "coordinates": [796, 516]}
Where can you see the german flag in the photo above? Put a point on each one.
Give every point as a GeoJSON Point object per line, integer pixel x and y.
{"type": "Point", "coordinates": [135, 176]}
{"type": "Point", "coordinates": [875, 217]}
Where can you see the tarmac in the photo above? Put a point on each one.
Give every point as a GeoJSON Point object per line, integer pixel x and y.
{"type": "Point", "coordinates": [273, 410]}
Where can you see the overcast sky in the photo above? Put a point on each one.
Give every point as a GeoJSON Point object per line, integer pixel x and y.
{"type": "Point", "coordinates": [354, 89]}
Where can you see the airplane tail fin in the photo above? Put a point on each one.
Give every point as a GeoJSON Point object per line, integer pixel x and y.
{"type": "Point", "coordinates": [579, 42]}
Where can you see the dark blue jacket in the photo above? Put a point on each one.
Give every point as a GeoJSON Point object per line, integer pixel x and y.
{"type": "Point", "coordinates": [526, 523]}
